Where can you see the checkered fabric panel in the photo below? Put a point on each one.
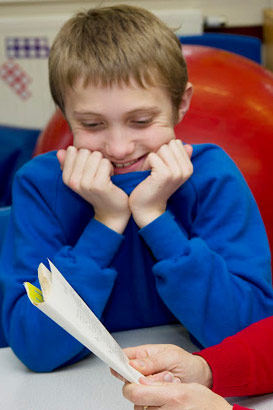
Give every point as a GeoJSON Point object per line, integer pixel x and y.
{"type": "Point", "coordinates": [16, 78]}
{"type": "Point", "coordinates": [27, 47]}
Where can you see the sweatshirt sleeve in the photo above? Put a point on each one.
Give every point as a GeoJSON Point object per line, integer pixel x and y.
{"type": "Point", "coordinates": [212, 265]}
{"type": "Point", "coordinates": [242, 365]}
{"type": "Point", "coordinates": [35, 233]}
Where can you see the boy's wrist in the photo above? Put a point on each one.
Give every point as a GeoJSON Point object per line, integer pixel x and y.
{"type": "Point", "coordinates": [117, 224]}
{"type": "Point", "coordinates": [145, 218]}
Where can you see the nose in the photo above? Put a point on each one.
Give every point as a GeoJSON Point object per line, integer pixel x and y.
{"type": "Point", "coordinates": [118, 145]}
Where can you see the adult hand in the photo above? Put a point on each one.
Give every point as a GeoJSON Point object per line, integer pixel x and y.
{"type": "Point", "coordinates": [170, 168]}
{"type": "Point", "coordinates": [159, 360]}
{"type": "Point", "coordinates": [174, 396]}
{"type": "Point", "coordinates": [88, 174]}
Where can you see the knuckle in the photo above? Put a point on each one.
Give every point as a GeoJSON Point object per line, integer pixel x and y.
{"type": "Point", "coordinates": [65, 179]}
{"type": "Point", "coordinates": [151, 155]}
{"type": "Point", "coordinates": [97, 155]}
{"type": "Point", "coordinates": [96, 185]}
{"type": "Point", "coordinates": [152, 364]}
{"type": "Point", "coordinates": [71, 148]}
{"type": "Point", "coordinates": [179, 396]}
{"type": "Point", "coordinates": [73, 183]}
{"type": "Point", "coordinates": [84, 185]}
{"type": "Point", "coordinates": [105, 163]}
{"type": "Point", "coordinates": [71, 151]}
{"type": "Point", "coordinates": [174, 142]}
{"type": "Point", "coordinates": [163, 148]}
{"type": "Point", "coordinates": [189, 170]}
{"type": "Point", "coordinates": [130, 393]}
{"type": "Point", "coordinates": [83, 150]}
{"type": "Point", "coordinates": [177, 175]}
{"type": "Point", "coordinates": [135, 397]}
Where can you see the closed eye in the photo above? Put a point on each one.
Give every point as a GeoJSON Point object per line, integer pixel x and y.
{"type": "Point", "coordinates": [141, 123]}
{"type": "Point", "coordinates": [93, 124]}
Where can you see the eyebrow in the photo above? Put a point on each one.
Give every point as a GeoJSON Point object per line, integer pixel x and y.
{"type": "Point", "coordinates": [143, 109]}
{"type": "Point", "coordinates": [139, 110]}
{"type": "Point", "coordinates": [83, 113]}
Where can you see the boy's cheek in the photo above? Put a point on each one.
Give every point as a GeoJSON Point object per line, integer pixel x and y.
{"type": "Point", "coordinates": [157, 138]}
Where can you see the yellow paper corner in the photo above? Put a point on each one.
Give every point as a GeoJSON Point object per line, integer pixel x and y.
{"type": "Point", "coordinates": [34, 294]}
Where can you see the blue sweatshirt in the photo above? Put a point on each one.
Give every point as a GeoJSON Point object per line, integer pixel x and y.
{"type": "Point", "coordinates": [205, 262]}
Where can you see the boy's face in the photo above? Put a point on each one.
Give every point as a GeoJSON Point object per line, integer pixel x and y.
{"type": "Point", "coordinates": [124, 123]}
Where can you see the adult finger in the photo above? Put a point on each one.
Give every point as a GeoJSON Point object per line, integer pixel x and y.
{"type": "Point", "coordinates": [142, 351]}
{"type": "Point", "coordinates": [152, 395]}
{"type": "Point", "coordinates": [157, 363]}
{"type": "Point", "coordinates": [117, 375]}
{"type": "Point", "coordinates": [162, 377]}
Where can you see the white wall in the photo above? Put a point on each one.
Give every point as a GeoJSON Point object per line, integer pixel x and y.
{"type": "Point", "coordinates": [42, 18]}
{"type": "Point", "coordinates": [237, 12]}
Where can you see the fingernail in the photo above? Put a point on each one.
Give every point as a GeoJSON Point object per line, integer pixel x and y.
{"type": "Point", "coordinates": [137, 363]}
{"type": "Point", "coordinates": [168, 377]}
{"type": "Point", "coordinates": [146, 380]}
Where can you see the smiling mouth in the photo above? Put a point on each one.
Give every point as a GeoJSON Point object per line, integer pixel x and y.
{"type": "Point", "coordinates": [125, 164]}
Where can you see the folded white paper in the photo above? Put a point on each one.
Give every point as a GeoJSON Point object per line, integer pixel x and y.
{"type": "Point", "coordinates": [58, 300]}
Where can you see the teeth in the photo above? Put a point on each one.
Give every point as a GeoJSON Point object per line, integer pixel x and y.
{"type": "Point", "coordinates": [126, 164]}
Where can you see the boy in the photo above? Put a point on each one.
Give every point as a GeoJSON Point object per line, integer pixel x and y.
{"type": "Point", "coordinates": [143, 238]}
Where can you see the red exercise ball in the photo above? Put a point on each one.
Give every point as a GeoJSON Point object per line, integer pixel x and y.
{"type": "Point", "coordinates": [232, 106]}
{"type": "Point", "coordinates": [56, 135]}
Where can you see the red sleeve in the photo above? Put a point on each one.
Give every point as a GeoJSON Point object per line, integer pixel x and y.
{"type": "Point", "coordinates": [236, 407]}
{"type": "Point", "coordinates": [243, 364]}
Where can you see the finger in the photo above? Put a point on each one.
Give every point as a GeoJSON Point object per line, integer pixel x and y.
{"type": "Point", "coordinates": [61, 153]}
{"type": "Point", "coordinates": [189, 149]}
{"type": "Point", "coordinates": [156, 163]}
{"type": "Point", "coordinates": [139, 351]}
{"type": "Point", "coordinates": [146, 164]}
{"type": "Point", "coordinates": [90, 169]}
{"type": "Point", "coordinates": [171, 156]}
{"type": "Point", "coordinates": [117, 375]}
{"type": "Point", "coordinates": [156, 363]}
{"type": "Point", "coordinates": [185, 148]}
{"type": "Point", "coordinates": [182, 158]}
{"type": "Point", "coordinates": [68, 164]}
{"type": "Point", "coordinates": [144, 351]}
{"type": "Point", "coordinates": [103, 173]}
{"type": "Point", "coordinates": [146, 408]}
{"type": "Point", "coordinates": [78, 168]}
{"type": "Point", "coordinates": [162, 377]}
{"type": "Point", "coordinates": [181, 154]}
{"type": "Point", "coordinates": [154, 395]}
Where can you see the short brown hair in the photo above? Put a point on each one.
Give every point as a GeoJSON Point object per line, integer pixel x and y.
{"type": "Point", "coordinates": [111, 45]}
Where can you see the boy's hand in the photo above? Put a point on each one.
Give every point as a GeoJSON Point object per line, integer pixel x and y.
{"type": "Point", "coordinates": [174, 396]}
{"type": "Point", "coordinates": [170, 168]}
{"type": "Point", "coordinates": [88, 174]}
{"type": "Point", "coordinates": [159, 361]}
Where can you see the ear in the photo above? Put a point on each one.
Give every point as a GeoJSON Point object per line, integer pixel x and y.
{"type": "Point", "coordinates": [185, 102]}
